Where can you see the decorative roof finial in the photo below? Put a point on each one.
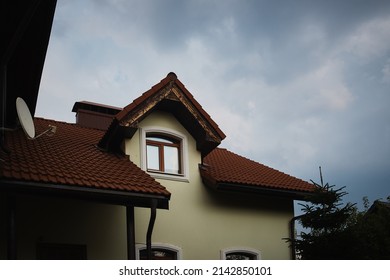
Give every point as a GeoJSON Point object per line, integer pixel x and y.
{"type": "Point", "coordinates": [172, 76]}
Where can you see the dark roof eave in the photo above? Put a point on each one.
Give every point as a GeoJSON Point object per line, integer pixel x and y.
{"type": "Point", "coordinates": [261, 190]}
{"type": "Point", "coordinates": [88, 193]}
{"type": "Point", "coordinates": [26, 37]}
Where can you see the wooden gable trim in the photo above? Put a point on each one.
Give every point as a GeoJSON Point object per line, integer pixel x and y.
{"type": "Point", "coordinates": [172, 96]}
{"type": "Point", "coordinates": [210, 132]}
{"type": "Point", "coordinates": [141, 111]}
{"type": "Point", "coordinates": [172, 93]}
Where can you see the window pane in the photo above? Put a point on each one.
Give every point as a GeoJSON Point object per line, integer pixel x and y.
{"type": "Point", "coordinates": [159, 254]}
{"type": "Point", "coordinates": [171, 159]}
{"type": "Point", "coordinates": [240, 256]}
{"type": "Point", "coordinates": [152, 157]}
{"type": "Point", "coordinates": [160, 139]}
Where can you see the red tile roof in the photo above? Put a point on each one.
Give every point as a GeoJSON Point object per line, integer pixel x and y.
{"type": "Point", "coordinates": [223, 166]}
{"type": "Point", "coordinates": [70, 157]}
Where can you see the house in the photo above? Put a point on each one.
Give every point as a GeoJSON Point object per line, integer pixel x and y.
{"type": "Point", "coordinates": [145, 181]}
{"type": "Point", "coordinates": [153, 176]}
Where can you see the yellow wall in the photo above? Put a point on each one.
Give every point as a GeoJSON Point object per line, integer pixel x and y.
{"type": "Point", "coordinates": [202, 222]}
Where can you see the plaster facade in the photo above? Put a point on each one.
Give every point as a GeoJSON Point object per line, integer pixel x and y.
{"type": "Point", "coordinates": [202, 222]}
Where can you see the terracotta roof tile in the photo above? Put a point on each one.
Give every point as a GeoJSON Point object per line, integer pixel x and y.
{"type": "Point", "coordinates": [223, 166]}
{"type": "Point", "coordinates": [71, 157]}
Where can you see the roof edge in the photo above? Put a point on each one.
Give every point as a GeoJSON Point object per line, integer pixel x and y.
{"type": "Point", "coordinates": [260, 190]}
{"type": "Point", "coordinates": [86, 193]}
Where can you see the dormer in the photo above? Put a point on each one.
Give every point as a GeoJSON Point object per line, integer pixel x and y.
{"type": "Point", "coordinates": [171, 96]}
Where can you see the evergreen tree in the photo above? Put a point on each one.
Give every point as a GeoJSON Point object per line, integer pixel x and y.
{"type": "Point", "coordinates": [339, 231]}
{"type": "Point", "coordinates": [371, 232]}
{"type": "Point", "coordinates": [327, 219]}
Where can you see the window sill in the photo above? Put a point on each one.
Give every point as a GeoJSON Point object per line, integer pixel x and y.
{"type": "Point", "coordinates": [171, 177]}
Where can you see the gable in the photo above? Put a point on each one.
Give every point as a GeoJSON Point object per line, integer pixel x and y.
{"type": "Point", "coordinates": [164, 130]}
{"type": "Point", "coordinates": [170, 95]}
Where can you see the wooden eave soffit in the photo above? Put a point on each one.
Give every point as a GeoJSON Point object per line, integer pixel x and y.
{"type": "Point", "coordinates": [174, 94]}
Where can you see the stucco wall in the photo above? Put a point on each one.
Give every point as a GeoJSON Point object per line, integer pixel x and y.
{"type": "Point", "coordinates": [202, 222]}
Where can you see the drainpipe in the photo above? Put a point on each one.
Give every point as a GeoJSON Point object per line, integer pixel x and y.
{"type": "Point", "coordinates": [130, 232]}
{"type": "Point", "coordinates": [292, 235]}
{"type": "Point", "coordinates": [153, 211]}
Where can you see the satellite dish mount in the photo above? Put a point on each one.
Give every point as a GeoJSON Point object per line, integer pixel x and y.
{"type": "Point", "coordinates": [26, 121]}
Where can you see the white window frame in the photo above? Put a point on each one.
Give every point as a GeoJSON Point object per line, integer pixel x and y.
{"type": "Point", "coordinates": [163, 246]}
{"type": "Point", "coordinates": [183, 152]}
{"type": "Point", "coordinates": [238, 250]}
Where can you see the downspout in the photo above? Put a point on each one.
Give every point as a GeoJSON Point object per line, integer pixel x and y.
{"type": "Point", "coordinates": [292, 235]}
{"type": "Point", "coordinates": [130, 232]}
{"type": "Point", "coordinates": [153, 213]}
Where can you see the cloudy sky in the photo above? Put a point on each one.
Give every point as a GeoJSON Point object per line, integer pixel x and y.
{"type": "Point", "coordinates": [293, 84]}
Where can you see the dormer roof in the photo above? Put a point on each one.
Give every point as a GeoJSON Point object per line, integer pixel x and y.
{"type": "Point", "coordinates": [168, 95]}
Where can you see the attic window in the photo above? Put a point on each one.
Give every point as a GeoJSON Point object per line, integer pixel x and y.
{"type": "Point", "coordinates": [163, 154]}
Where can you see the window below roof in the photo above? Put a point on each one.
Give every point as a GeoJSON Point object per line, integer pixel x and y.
{"type": "Point", "coordinates": [159, 252]}
{"type": "Point", "coordinates": [164, 153]}
{"type": "Point", "coordinates": [240, 254]}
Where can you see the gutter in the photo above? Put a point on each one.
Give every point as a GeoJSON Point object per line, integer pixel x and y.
{"type": "Point", "coordinates": [87, 193]}
{"type": "Point", "coordinates": [299, 195]}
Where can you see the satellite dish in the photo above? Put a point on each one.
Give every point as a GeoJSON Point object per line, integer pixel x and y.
{"type": "Point", "coordinates": [25, 117]}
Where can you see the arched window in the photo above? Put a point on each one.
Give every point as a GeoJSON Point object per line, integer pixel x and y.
{"type": "Point", "coordinates": [240, 254]}
{"type": "Point", "coordinates": [163, 154]}
{"type": "Point", "coordinates": [159, 252]}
